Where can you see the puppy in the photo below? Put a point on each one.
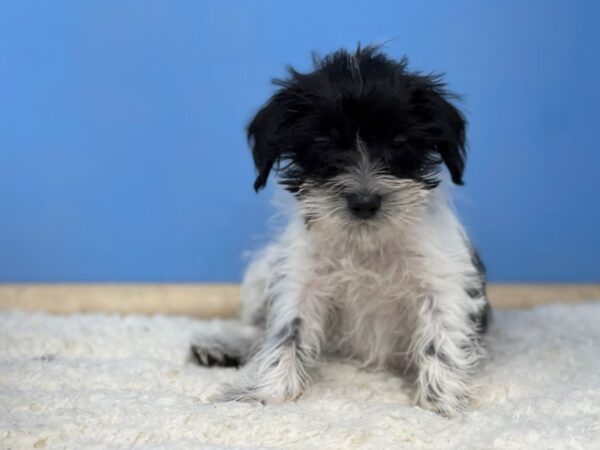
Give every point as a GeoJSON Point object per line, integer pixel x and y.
{"type": "Point", "coordinates": [373, 265]}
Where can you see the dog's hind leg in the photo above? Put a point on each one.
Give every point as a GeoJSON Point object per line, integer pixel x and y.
{"type": "Point", "coordinates": [228, 343]}
{"type": "Point", "coordinates": [233, 342]}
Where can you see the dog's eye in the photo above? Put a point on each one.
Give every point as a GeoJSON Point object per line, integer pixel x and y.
{"type": "Point", "coordinates": [322, 140]}
{"type": "Point", "coordinates": [400, 139]}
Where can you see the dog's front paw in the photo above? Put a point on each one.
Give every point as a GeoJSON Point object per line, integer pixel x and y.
{"type": "Point", "coordinates": [242, 393]}
{"type": "Point", "coordinates": [267, 390]}
{"type": "Point", "coordinates": [252, 393]}
{"type": "Point", "coordinates": [271, 378]}
{"type": "Point", "coordinates": [447, 405]}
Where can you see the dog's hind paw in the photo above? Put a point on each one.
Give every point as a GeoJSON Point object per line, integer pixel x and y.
{"type": "Point", "coordinates": [210, 357]}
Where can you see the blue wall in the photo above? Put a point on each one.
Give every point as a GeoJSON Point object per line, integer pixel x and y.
{"type": "Point", "coordinates": [123, 158]}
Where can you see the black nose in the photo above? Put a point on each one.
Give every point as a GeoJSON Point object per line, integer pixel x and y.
{"type": "Point", "coordinates": [364, 206]}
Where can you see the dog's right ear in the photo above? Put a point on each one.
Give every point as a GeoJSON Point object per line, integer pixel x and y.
{"type": "Point", "coordinates": [267, 135]}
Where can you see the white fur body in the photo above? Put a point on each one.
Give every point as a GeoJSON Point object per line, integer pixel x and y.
{"type": "Point", "coordinates": [391, 298]}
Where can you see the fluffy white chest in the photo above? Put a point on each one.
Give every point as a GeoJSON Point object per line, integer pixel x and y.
{"type": "Point", "coordinates": [373, 295]}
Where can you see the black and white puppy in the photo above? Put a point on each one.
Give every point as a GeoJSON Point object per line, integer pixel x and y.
{"type": "Point", "coordinates": [374, 264]}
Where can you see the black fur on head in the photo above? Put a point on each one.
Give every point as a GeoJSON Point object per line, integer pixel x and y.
{"type": "Point", "coordinates": [309, 127]}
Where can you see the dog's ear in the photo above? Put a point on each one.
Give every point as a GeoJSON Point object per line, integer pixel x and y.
{"type": "Point", "coordinates": [266, 135]}
{"type": "Point", "coordinates": [443, 124]}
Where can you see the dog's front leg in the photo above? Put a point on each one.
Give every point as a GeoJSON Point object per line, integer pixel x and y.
{"type": "Point", "coordinates": [445, 349]}
{"type": "Point", "coordinates": [280, 370]}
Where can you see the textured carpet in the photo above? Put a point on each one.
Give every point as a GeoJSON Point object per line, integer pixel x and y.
{"type": "Point", "coordinates": [98, 381]}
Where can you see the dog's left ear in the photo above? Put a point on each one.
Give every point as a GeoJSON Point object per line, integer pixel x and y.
{"type": "Point", "coordinates": [444, 125]}
{"type": "Point", "coordinates": [266, 135]}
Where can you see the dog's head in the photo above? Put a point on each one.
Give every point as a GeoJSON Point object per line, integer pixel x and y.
{"type": "Point", "coordinates": [360, 140]}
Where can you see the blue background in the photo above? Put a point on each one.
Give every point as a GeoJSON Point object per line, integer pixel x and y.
{"type": "Point", "coordinates": [123, 157]}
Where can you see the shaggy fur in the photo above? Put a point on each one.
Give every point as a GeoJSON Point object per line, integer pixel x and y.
{"type": "Point", "coordinates": [374, 264]}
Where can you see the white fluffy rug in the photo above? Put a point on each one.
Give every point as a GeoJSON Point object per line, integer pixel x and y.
{"type": "Point", "coordinates": [97, 381]}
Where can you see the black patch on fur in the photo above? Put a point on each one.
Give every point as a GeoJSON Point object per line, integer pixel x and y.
{"type": "Point", "coordinates": [290, 333]}
{"type": "Point", "coordinates": [308, 129]}
{"type": "Point", "coordinates": [438, 354]}
{"type": "Point", "coordinates": [475, 292]}
{"type": "Point", "coordinates": [430, 351]}
{"type": "Point", "coordinates": [482, 319]}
